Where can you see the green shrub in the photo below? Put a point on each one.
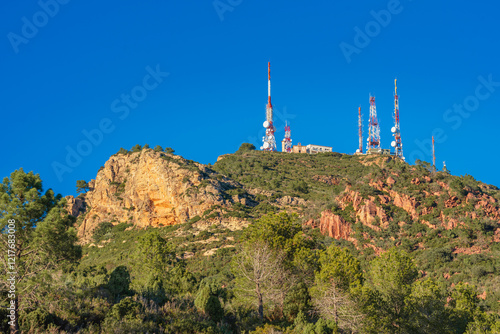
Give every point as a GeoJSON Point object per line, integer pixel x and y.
{"type": "Point", "coordinates": [123, 151]}
{"type": "Point", "coordinates": [208, 303]}
{"type": "Point", "coordinates": [36, 319]}
{"type": "Point", "coordinates": [246, 147]}
{"type": "Point", "coordinates": [119, 282]}
{"type": "Point", "coordinates": [136, 148]}
{"type": "Point", "coordinates": [194, 219]}
{"type": "Point", "coordinates": [101, 230]}
{"type": "Point", "coordinates": [301, 186]}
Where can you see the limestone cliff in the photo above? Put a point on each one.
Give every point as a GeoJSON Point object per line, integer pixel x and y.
{"type": "Point", "coordinates": [149, 188]}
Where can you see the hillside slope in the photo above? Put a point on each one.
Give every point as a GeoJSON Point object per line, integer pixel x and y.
{"type": "Point", "coordinates": [450, 225]}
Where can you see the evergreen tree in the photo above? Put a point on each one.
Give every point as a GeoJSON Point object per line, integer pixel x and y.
{"type": "Point", "coordinates": [136, 148]}
{"type": "Point", "coordinates": [156, 252]}
{"type": "Point", "coordinates": [82, 186]}
{"type": "Point", "coordinates": [44, 236]}
{"type": "Point", "coordinates": [390, 282]}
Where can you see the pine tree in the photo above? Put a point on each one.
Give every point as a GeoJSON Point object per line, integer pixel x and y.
{"type": "Point", "coordinates": [44, 238]}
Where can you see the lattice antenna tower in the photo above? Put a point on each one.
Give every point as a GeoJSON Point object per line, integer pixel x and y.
{"type": "Point", "coordinates": [268, 141]}
{"type": "Point", "coordinates": [396, 130]}
{"type": "Point", "coordinates": [287, 141]}
{"type": "Point", "coordinates": [373, 129]}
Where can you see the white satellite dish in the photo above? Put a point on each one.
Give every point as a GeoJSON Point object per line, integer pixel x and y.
{"type": "Point", "coordinates": [357, 151]}
{"type": "Point", "coordinates": [393, 144]}
{"type": "Point", "coordinates": [266, 124]}
{"type": "Point", "coordinates": [367, 139]}
{"type": "Point", "coordinates": [266, 145]}
{"type": "Point", "coordinates": [393, 129]}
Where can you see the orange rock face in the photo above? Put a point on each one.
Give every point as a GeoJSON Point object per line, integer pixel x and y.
{"type": "Point", "coordinates": [487, 202]}
{"type": "Point", "coordinates": [496, 237]}
{"type": "Point", "coordinates": [452, 202]}
{"type": "Point", "coordinates": [367, 215]}
{"type": "Point", "coordinates": [332, 225]}
{"type": "Point", "coordinates": [366, 209]}
{"type": "Point", "coordinates": [405, 202]}
{"type": "Point", "coordinates": [146, 190]}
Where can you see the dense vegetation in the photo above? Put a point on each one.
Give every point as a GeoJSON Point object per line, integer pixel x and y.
{"type": "Point", "coordinates": [277, 275]}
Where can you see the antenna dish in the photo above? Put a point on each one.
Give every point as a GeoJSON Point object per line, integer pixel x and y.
{"type": "Point", "coordinates": [393, 144]}
{"type": "Point", "coordinates": [393, 129]}
{"type": "Point", "coordinates": [266, 145]}
{"type": "Point", "coordinates": [266, 124]}
{"type": "Point", "coordinates": [357, 151]}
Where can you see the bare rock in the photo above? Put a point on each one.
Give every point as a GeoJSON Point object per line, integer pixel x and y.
{"type": "Point", "coordinates": [75, 205]}
{"type": "Point", "coordinates": [330, 180]}
{"type": "Point", "coordinates": [292, 201]}
{"type": "Point", "coordinates": [145, 189]}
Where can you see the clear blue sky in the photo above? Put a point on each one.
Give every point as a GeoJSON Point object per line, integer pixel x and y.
{"type": "Point", "coordinates": [64, 69]}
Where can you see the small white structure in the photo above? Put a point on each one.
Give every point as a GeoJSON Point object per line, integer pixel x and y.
{"type": "Point", "coordinates": [312, 149]}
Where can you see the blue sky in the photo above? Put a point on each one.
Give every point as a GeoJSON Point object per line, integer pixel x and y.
{"type": "Point", "coordinates": [195, 76]}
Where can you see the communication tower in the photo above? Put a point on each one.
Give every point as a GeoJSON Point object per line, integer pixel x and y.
{"type": "Point", "coordinates": [286, 143]}
{"type": "Point", "coordinates": [373, 139]}
{"type": "Point", "coordinates": [268, 141]}
{"type": "Point", "coordinates": [360, 131]}
{"type": "Point", "coordinates": [396, 143]}
{"type": "Point", "coordinates": [433, 155]}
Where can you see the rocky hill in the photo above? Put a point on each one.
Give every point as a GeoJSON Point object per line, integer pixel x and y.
{"type": "Point", "coordinates": [156, 189]}
{"type": "Point", "coordinates": [149, 188]}
{"type": "Point", "coordinates": [378, 193]}
{"type": "Point", "coordinates": [339, 194]}
{"type": "Point", "coordinates": [365, 207]}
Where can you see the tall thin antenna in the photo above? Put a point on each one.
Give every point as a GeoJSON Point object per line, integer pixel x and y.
{"type": "Point", "coordinates": [396, 131]}
{"type": "Point", "coordinates": [433, 155]}
{"type": "Point", "coordinates": [373, 130]}
{"type": "Point", "coordinates": [268, 141]}
{"type": "Point", "coordinates": [360, 131]}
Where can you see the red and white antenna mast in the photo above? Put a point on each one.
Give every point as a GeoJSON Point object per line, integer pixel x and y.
{"type": "Point", "coordinates": [433, 155]}
{"type": "Point", "coordinates": [286, 144]}
{"type": "Point", "coordinates": [373, 129]}
{"type": "Point", "coordinates": [360, 131]}
{"type": "Point", "coordinates": [268, 141]}
{"type": "Point", "coordinates": [396, 132]}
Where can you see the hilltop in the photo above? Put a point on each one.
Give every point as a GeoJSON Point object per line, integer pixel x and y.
{"type": "Point", "coordinates": [367, 203]}
{"type": "Point", "coordinates": [172, 245]}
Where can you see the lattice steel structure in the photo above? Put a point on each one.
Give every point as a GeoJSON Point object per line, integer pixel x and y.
{"type": "Point", "coordinates": [286, 144]}
{"type": "Point", "coordinates": [268, 141]}
{"type": "Point", "coordinates": [373, 139]}
{"type": "Point", "coordinates": [396, 130]}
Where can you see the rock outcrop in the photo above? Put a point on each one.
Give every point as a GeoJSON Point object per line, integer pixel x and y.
{"type": "Point", "coordinates": [75, 205]}
{"type": "Point", "coordinates": [405, 202]}
{"type": "Point", "coordinates": [332, 225]}
{"type": "Point", "coordinates": [367, 211]}
{"type": "Point", "coordinates": [148, 188]}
